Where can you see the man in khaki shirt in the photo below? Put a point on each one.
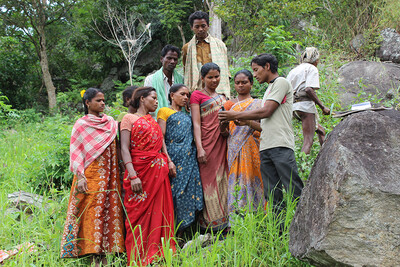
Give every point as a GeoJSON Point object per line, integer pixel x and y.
{"type": "Point", "coordinates": [202, 49]}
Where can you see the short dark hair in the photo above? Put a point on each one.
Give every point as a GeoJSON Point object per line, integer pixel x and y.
{"type": "Point", "coordinates": [127, 94]}
{"type": "Point", "coordinates": [263, 59]}
{"type": "Point", "coordinates": [89, 95]}
{"type": "Point", "coordinates": [168, 48]}
{"type": "Point", "coordinates": [198, 15]}
{"type": "Point", "coordinates": [174, 88]}
{"type": "Point", "coordinates": [245, 72]}
{"type": "Point", "coordinates": [141, 91]}
{"type": "Point", "coordinates": [207, 67]}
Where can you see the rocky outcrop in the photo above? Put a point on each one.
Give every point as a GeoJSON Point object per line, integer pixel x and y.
{"type": "Point", "coordinates": [348, 214]}
{"type": "Point", "coordinates": [389, 49]}
{"type": "Point", "coordinates": [25, 201]}
{"type": "Point", "coordinates": [375, 78]}
{"type": "Point", "coordinates": [357, 43]}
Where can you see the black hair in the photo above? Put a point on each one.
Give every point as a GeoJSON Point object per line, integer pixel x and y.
{"type": "Point", "coordinates": [139, 92]}
{"type": "Point", "coordinates": [263, 59]}
{"type": "Point", "coordinates": [199, 15]}
{"type": "Point", "coordinates": [174, 88]}
{"type": "Point", "coordinates": [89, 95]}
{"type": "Point", "coordinates": [245, 72]}
{"type": "Point", "coordinates": [168, 48]}
{"type": "Point", "coordinates": [127, 94]}
{"type": "Point", "coordinates": [207, 67]}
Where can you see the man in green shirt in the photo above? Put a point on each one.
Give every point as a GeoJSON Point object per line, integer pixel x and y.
{"type": "Point", "coordinates": [278, 163]}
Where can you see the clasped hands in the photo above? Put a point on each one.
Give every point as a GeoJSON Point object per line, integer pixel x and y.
{"type": "Point", "coordinates": [226, 116]}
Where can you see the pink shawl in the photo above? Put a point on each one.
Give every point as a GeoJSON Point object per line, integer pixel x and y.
{"type": "Point", "coordinates": [91, 135]}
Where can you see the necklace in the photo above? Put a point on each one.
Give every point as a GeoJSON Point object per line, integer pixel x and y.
{"type": "Point", "coordinates": [208, 92]}
{"type": "Point", "coordinates": [140, 115]}
{"type": "Point", "coordinates": [174, 109]}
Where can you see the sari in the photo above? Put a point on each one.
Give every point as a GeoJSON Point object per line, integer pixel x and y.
{"type": "Point", "coordinates": [186, 187]}
{"type": "Point", "coordinates": [94, 223]}
{"type": "Point", "coordinates": [214, 174]}
{"type": "Point", "coordinates": [245, 186]}
{"type": "Point", "coordinates": [150, 215]}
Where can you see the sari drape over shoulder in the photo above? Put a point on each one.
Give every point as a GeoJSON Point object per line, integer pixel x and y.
{"type": "Point", "coordinates": [150, 215]}
{"type": "Point", "coordinates": [186, 187]}
{"type": "Point", "coordinates": [245, 186]}
{"type": "Point", "coordinates": [94, 223]}
{"type": "Point", "coordinates": [214, 173]}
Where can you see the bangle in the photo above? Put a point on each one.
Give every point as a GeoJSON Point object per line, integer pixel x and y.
{"type": "Point", "coordinates": [133, 177]}
{"type": "Point", "coordinates": [250, 124]}
{"type": "Point", "coordinates": [128, 163]}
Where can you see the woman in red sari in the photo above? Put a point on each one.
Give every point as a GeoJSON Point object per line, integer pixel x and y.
{"type": "Point", "coordinates": [148, 197]}
{"type": "Point", "coordinates": [211, 149]}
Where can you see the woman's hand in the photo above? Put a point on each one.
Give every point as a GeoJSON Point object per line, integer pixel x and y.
{"type": "Point", "coordinates": [172, 169]}
{"type": "Point", "coordinates": [136, 185]}
{"type": "Point", "coordinates": [201, 156]}
{"type": "Point", "coordinates": [81, 184]}
{"type": "Point", "coordinates": [242, 122]}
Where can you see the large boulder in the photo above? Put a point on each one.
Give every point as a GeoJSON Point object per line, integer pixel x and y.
{"type": "Point", "coordinates": [348, 214]}
{"type": "Point", "coordinates": [389, 49]}
{"type": "Point", "coordinates": [375, 78]}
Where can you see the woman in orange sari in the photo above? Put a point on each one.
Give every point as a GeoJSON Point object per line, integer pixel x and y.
{"type": "Point", "coordinates": [148, 197]}
{"type": "Point", "coordinates": [94, 224]}
{"type": "Point", "coordinates": [211, 149]}
{"type": "Point", "coordinates": [245, 186]}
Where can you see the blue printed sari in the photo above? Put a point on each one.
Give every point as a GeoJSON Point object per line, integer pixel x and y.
{"type": "Point", "coordinates": [186, 187]}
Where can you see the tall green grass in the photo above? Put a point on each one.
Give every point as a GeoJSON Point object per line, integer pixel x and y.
{"type": "Point", "coordinates": [25, 148]}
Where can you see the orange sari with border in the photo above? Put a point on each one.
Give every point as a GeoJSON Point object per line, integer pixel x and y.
{"type": "Point", "coordinates": [94, 223]}
{"type": "Point", "coordinates": [245, 185]}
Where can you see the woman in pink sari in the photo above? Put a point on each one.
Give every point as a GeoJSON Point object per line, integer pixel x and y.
{"type": "Point", "coordinates": [211, 149]}
{"type": "Point", "coordinates": [148, 197]}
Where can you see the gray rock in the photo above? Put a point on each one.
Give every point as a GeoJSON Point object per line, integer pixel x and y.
{"type": "Point", "coordinates": [389, 49]}
{"type": "Point", "coordinates": [200, 241]}
{"type": "Point", "coordinates": [108, 83]}
{"type": "Point", "coordinates": [25, 201]}
{"type": "Point", "coordinates": [375, 78]}
{"type": "Point", "coordinates": [357, 43]}
{"type": "Point", "coordinates": [348, 214]}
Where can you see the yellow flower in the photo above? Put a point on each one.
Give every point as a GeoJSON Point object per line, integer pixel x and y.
{"type": "Point", "coordinates": [82, 93]}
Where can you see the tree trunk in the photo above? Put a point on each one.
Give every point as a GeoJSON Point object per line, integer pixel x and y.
{"type": "Point", "coordinates": [44, 63]}
{"type": "Point", "coordinates": [215, 21]}
{"type": "Point", "coordinates": [182, 34]}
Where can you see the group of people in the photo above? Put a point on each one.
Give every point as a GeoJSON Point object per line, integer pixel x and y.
{"type": "Point", "coordinates": [190, 154]}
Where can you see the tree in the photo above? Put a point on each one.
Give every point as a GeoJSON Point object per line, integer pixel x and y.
{"type": "Point", "coordinates": [215, 21]}
{"type": "Point", "coordinates": [128, 32]}
{"type": "Point", "coordinates": [32, 17]}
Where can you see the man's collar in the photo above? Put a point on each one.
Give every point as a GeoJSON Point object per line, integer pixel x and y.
{"type": "Point", "coordinates": [207, 39]}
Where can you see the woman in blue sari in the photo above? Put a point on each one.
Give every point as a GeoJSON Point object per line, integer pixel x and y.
{"type": "Point", "coordinates": [176, 125]}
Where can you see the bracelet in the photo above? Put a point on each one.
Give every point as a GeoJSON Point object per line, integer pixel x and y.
{"type": "Point", "coordinates": [133, 177]}
{"type": "Point", "coordinates": [250, 124]}
{"type": "Point", "coordinates": [128, 163]}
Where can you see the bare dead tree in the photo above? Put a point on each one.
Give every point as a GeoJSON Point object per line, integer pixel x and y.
{"type": "Point", "coordinates": [128, 32]}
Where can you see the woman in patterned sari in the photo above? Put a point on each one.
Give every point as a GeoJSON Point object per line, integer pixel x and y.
{"type": "Point", "coordinates": [245, 186]}
{"type": "Point", "coordinates": [177, 128]}
{"type": "Point", "coordinates": [94, 224]}
{"type": "Point", "coordinates": [211, 149]}
{"type": "Point", "coordinates": [148, 198]}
